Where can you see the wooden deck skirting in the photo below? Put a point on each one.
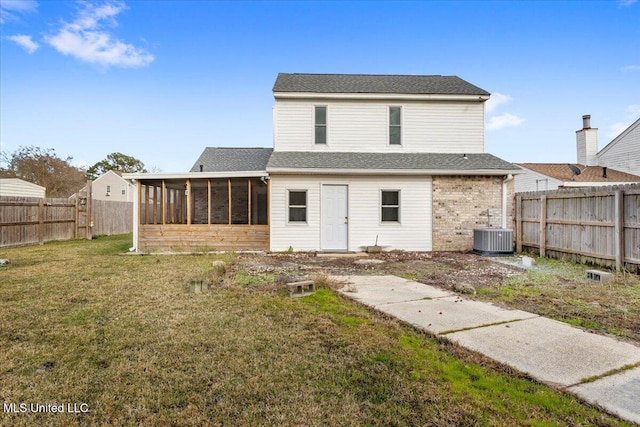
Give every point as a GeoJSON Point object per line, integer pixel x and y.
{"type": "Point", "coordinates": [203, 237]}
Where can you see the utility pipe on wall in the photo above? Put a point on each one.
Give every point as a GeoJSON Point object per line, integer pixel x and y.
{"type": "Point", "coordinates": [504, 199]}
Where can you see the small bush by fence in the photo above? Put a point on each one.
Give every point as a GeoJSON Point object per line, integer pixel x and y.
{"type": "Point", "coordinates": [595, 225]}
{"type": "Point", "coordinates": [28, 221]}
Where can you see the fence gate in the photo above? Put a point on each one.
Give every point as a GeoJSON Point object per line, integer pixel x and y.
{"type": "Point", "coordinates": [83, 213]}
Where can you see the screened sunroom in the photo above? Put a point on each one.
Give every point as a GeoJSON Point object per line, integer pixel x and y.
{"type": "Point", "coordinates": [201, 211]}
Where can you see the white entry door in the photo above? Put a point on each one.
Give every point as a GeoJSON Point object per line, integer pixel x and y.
{"type": "Point", "coordinates": [335, 218]}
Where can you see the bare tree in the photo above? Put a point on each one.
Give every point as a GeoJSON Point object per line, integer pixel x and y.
{"type": "Point", "coordinates": [44, 167]}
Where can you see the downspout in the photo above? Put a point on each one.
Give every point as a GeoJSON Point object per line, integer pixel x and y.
{"type": "Point", "coordinates": [504, 199]}
{"type": "Point", "coordinates": [136, 218]}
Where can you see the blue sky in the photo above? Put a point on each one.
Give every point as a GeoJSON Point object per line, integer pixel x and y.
{"type": "Point", "coordinates": [161, 80]}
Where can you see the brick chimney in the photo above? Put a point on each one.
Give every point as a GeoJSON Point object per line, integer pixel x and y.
{"type": "Point", "coordinates": [587, 143]}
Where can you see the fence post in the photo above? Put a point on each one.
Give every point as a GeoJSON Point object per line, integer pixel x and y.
{"type": "Point", "coordinates": [89, 210]}
{"type": "Point", "coordinates": [518, 223]}
{"type": "Point", "coordinates": [76, 231]}
{"type": "Point", "coordinates": [619, 229]}
{"type": "Point", "coordinates": [543, 225]}
{"type": "Point", "coordinates": [41, 221]}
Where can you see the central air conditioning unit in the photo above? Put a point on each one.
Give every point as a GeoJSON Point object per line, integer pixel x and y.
{"type": "Point", "coordinates": [492, 241]}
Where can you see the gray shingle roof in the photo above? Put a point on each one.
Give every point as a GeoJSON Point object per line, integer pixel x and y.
{"type": "Point", "coordinates": [367, 83]}
{"type": "Point", "coordinates": [388, 161]}
{"type": "Point", "coordinates": [232, 159]}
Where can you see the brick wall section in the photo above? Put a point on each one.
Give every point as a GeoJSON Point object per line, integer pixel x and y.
{"type": "Point", "coordinates": [460, 204]}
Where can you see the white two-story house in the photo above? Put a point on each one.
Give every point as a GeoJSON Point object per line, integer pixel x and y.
{"type": "Point", "coordinates": [357, 160]}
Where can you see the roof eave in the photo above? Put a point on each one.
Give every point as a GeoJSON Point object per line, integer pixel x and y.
{"type": "Point", "coordinates": [389, 96]}
{"type": "Point", "coordinates": [431, 172]}
{"type": "Point", "coordinates": [194, 175]}
{"type": "Point", "coordinates": [596, 183]}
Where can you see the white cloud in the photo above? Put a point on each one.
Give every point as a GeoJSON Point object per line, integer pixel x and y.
{"type": "Point", "coordinates": [633, 112]}
{"type": "Point", "coordinates": [86, 39]}
{"type": "Point", "coordinates": [9, 8]}
{"type": "Point", "coordinates": [504, 120]}
{"type": "Point", "coordinates": [630, 68]}
{"type": "Point", "coordinates": [626, 2]}
{"type": "Point", "coordinates": [24, 42]}
{"type": "Point", "coordinates": [496, 100]}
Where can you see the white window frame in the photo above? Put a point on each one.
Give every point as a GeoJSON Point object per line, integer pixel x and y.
{"type": "Point", "coordinates": [326, 125]}
{"type": "Point", "coordinates": [305, 206]}
{"type": "Point", "coordinates": [398, 206]}
{"type": "Point", "coordinates": [399, 126]}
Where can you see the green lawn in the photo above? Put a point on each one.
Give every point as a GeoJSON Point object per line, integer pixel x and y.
{"type": "Point", "coordinates": [81, 323]}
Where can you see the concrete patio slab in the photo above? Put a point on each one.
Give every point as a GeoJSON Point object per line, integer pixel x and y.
{"type": "Point", "coordinates": [551, 351]}
{"type": "Point", "coordinates": [453, 313]}
{"type": "Point", "coordinates": [375, 290]}
{"type": "Point", "coordinates": [619, 393]}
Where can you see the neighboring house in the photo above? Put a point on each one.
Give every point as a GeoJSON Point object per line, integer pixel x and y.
{"type": "Point", "coordinates": [551, 176]}
{"type": "Point", "coordinates": [357, 160]}
{"type": "Point", "coordinates": [20, 188]}
{"type": "Point", "coordinates": [595, 168]}
{"type": "Point", "coordinates": [112, 186]}
{"type": "Point", "coordinates": [623, 153]}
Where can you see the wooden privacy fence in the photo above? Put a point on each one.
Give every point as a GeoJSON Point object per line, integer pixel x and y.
{"type": "Point", "coordinates": [27, 221]}
{"type": "Point", "coordinates": [111, 217]}
{"type": "Point", "coordinates": [596, 225]}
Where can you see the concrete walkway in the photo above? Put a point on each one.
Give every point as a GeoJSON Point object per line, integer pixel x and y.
{"type": "Point", "coordinates": [550, 351]}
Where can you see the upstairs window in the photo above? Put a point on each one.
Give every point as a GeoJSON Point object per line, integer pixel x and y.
{"type": "Point", "coordinates": [320, 123]}
{"type": "Point", "coordinates": [297, 206]}
{"type": "Point", "coordinates": [395, 127]}
{"type": "Point", "coordinates": [390, 206]}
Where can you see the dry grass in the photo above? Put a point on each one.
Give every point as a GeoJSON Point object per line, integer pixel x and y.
{"type": "Point", "coordinates": [560, 290]}
{"type": "Point", "coordinates": [80, 323]}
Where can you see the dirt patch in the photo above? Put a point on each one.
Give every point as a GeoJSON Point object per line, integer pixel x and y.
{"type": "Point", "coordinates": [555, 289]}
{"type": "Point", "coordinates": [439, 269]}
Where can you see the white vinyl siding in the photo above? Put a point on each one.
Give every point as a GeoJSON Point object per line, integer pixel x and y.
{"type": "Point", "coordinates": [413, 233]}
{"type": "Point", "coordinates": [101, 188]}
{"type": "Point", "coordinates": [20, 188]}
{"type": "Point", "coordinates": [534, 181]}
{"type": "Point", "coordinates": [623, 153]}
{"type": "Point", "coordinates": [363, 126]}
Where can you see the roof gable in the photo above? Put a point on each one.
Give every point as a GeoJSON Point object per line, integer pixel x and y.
{"type": "Point", "coordinates": [620, 137]}
{"type": "Point", "coordinates": [378, 84]}
{"type": "Point", "coordinates": [110, 173]}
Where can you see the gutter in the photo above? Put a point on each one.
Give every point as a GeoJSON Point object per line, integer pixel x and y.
{"type": "Point", "coordinates": [575, 184]}
{"type": "Point", "coordinates": [430, 172]}
{"type": "Point", "coordinates": [136, 217]}
{"type": "Point", "coordinates": [406, 96]}
{"type": "Point", "coordinates": [192, 175]}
